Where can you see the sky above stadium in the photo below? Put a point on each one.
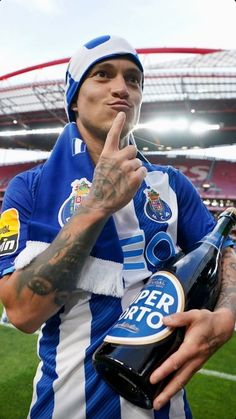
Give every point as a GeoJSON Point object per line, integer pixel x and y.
{"type": "Point", "coordinates": [36, 31]}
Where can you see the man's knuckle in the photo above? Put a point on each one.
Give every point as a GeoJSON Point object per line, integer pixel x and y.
{"type": "Point", "coordinates": [180, 383]}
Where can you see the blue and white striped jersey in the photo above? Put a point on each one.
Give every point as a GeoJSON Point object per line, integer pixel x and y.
{"type": "Point", "coordinates": [165, 214]}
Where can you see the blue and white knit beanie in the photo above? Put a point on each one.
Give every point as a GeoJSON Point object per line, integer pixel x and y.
{"type": "Point", "coordinates": [94, 51]}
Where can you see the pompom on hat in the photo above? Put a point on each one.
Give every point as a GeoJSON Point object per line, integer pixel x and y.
{"type": "Point", "coordinates": [94, 51]}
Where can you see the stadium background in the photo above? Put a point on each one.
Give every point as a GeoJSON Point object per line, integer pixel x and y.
{"type": "Point", "coordinates": [189, 105]}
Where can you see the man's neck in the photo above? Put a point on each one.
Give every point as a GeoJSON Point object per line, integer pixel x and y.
{"type": "Point", "coordinates": [95, 144]}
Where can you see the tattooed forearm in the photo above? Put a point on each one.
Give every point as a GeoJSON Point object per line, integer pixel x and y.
{"type": "Point", "coordinates": [227, 297]}
{"type": "Point", "coordinates": [57, 269]}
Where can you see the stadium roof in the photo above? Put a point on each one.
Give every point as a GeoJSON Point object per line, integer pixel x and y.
{"type": "Point", "coordinates": [181, 92]}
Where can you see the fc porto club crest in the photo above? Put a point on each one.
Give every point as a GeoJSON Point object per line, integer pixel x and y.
{"type": "Point", "coordinates": [80, 189]}
{"type": "Point", "coordinates": [155, 208]}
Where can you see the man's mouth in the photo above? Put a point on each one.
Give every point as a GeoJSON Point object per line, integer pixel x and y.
{"type": "Point", "coordinates": [120, 105]}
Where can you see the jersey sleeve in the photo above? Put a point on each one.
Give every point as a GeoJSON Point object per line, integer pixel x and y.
{"type": "Point", "coordinates": [16, 211]}
{"type": "Point", "coordinates": [194, 219]}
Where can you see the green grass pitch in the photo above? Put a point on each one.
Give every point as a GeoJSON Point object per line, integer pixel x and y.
{"type": "Point", "coordinates": [210, 397]}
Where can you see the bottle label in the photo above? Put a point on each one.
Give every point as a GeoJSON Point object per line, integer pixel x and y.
{"type": "Point", "coordinates": [141, 323]}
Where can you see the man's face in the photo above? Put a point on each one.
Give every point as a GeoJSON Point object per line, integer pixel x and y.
{"type": "Point", "coordinates": [110, 87]}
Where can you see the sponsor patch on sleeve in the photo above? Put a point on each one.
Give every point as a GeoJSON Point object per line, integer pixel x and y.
{"type": "Point", "coordinates": [9, 231]}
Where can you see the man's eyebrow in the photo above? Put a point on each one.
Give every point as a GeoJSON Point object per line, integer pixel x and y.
{"type": "Point", "coordinates": [103, 64]}
{"type": "Point", "coordinates": [108, 65]}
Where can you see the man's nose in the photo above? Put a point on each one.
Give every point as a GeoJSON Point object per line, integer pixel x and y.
{"type": "Point", "coordinates": [119, 87]}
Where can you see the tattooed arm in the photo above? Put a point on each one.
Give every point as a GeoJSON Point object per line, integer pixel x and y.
{"type": "Point", "coordinates": [227, 298]}
{"type": "Point", "coordinates": [206, 332]}
{"type": "Point", "coordinates": [33, 294]}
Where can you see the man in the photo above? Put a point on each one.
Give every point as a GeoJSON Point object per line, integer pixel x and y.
{"type": "Point", "coordinates": [86, 242]}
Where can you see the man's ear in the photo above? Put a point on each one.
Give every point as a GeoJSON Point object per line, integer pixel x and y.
{"type": "Point", "coordinates": [74, 108]}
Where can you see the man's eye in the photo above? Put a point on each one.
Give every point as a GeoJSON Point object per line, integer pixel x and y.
{"type": "Point", "coordinates": [101, 73]}
{"type": "Point", "coordinates": [134, 79]}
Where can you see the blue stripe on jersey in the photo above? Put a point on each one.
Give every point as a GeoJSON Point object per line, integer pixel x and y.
{"type": "Point", "coordinates": [101, 401]}
{"type": "Point", "coordinates": [163, 413]}
{"type": "Point", "coordinates": [130, 240]}
{"type": "Point", "coordinates": [187, 409]}
{"type": "Point", "coordinates": [44, 405]}
{"type": "Point", "coordinates": [132, 253]}
{"type": "Point", "coordinates": [131, 266]}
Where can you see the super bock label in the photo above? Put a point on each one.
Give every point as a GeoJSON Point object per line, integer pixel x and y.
{"type": "Point", "coordinates": [141, 323]}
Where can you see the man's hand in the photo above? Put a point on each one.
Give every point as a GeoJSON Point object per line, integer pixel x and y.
{"type": "Point", "coordinates": [118, 173]}
{"type": "Point", "coordinates": [206, 331]}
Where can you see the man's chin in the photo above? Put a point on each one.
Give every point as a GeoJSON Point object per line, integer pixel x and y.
{"type": "Point", "coordinates": [125, 131]}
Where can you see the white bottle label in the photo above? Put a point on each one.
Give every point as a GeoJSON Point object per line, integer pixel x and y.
{"type": "Point", "coordinates": [141, 323]}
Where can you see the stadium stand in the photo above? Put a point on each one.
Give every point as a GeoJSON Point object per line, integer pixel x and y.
{"type": "Point", "coordinates": [184, 87]}
{"type": "Point", "coordinates": [214, 179]}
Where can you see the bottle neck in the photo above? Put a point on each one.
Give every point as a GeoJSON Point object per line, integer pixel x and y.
{"type": "Point", "coordinates": [226, 221]}
{"type": "Point", "coordinates": [221, 230]}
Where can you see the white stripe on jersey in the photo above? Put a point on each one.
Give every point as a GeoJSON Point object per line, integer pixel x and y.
{"type": "Point", "coordinates": [177, 410]}
{"type": "Point", "coordinates": [37, 378]}
{"type": "Point", "coordinates": [130, 294]}
{"type": "Point", "coordinates": [69, 388]}
{"type": "Point", "coordinates": [129, 411]}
